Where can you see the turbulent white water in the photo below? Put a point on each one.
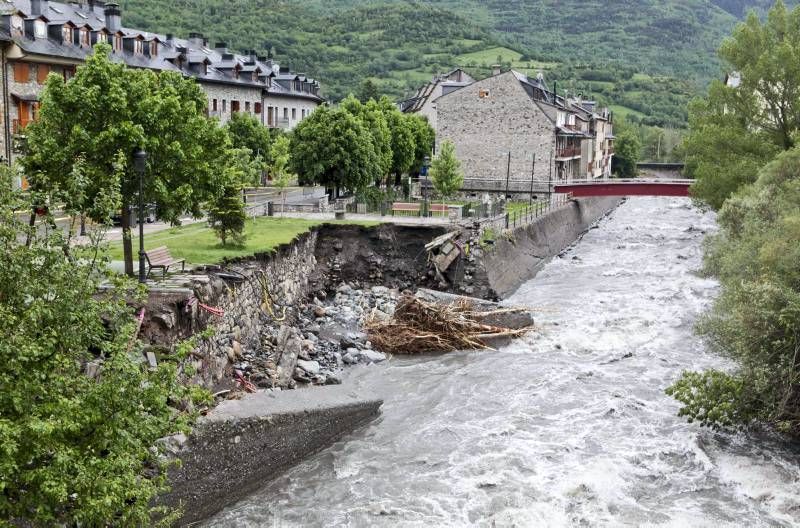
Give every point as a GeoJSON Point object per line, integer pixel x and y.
{"type": "Point", "coordinates": [567, 427]}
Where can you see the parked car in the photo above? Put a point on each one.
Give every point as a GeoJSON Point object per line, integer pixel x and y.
{"type": "Point", "coordinates": [149, 215]}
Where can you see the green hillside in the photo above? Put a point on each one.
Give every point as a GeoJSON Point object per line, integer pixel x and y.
{"type": "Point", "coordinates": [647, 57]}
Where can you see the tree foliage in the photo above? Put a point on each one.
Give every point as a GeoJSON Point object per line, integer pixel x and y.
{"type": "Point", "coordinates": [107, 111]}
{"type": "Point", "coordinates": [81, 411]}
{"type": "Point", "coordinates": [756, 319]}
{"type": "Point", "coordinates": [374, 120]}
{"type": "Point", "coordinates": [403, 141]}
{"type": "Point", "coordinates": [424, 139]}
{"type": "Point", "coordinates": [281, 177]}
{"type": "Point", "coordinates": [445, 172]}
{"type": "Point", "coordinates": [247, 131]}
{"type": "Point", "coordinates": [332, 147]}
{"type": "Point", "coordinates": [735, 130]}
{"type": "Point", "coordinates": [627, 151]}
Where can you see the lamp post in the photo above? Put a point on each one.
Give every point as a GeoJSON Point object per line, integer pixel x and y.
{"type": "Point", "coordinates": [140, 165]}
{"type": "Point", "coordinates": [426, 163]}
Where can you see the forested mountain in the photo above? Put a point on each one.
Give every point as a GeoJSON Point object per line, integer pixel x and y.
{"type": "Point", "coordinates": [648, 57]}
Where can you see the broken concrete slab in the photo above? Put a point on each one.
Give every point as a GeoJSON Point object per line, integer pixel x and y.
{"type": "Point", "coordinates": [242, 444]}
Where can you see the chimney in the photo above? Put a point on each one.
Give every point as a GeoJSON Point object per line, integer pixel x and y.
{"type": "Point", "coordinates": [170, 40]}
{"type": "Point", "coordinates": [113, 17]}
{"type": "Point", "coordinates": [495, 69]}
{"type": "Point", "coordinates": [38, 7]}
{"type": "Point", "coordinates": [196, 39]}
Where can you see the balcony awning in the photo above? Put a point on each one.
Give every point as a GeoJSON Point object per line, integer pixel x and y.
{"type": "Point", "coordinates": [26, 97]}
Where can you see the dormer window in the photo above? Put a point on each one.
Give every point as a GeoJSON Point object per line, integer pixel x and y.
{"type": "Point", "coordinates": [138, 47]}
{"type": "Point", "coordinates": [154, 48]}
{"type": "Point", "coordinates": [102, 37]}
{"type": "Point", "coordinates": [117, 42]}
{"type": "Point", "coordinates": [66, 34]}
{"type": "Point", "coordinates": [17, 25]}
{"type": "Point", "coordinates": [40, 29]}
{"type": "Point", "coordinates": [85, 39]}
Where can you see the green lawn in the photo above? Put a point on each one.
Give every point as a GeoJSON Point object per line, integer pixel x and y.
{"type": "Point", "coordinates": [624, 111]}
{"type": "Point", "coordinates": [199, 245]}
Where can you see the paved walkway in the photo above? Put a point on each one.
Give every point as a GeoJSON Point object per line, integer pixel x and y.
{"type": "Point", "coordinates": [388, 219]}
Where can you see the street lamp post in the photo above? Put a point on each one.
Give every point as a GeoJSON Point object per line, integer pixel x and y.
{"type": "Point", "coordinates": [140, 165]}
{"type": "Point", "coordinates": [426, 163]}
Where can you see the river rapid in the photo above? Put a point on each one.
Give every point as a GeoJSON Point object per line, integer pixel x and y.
{"type": "Point", "coordinates": [569, 426]}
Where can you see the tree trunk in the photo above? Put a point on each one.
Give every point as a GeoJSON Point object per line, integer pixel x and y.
{"type": "Point", "coordinates": [31, 224]}
{"type": "Point", "coordinates": [127, 243]}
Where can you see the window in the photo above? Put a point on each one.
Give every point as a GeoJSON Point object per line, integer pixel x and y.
{"type": "Point", "coordinates": [257, 108]}
{"type": "Point", "coordinates": [286, 113]}
{"type": "Point", "coordinates": [102, 37]}
{"type": "Point", "coordinates": [69, 72]}
{"type": "Point", "coordinates": [117, 42]}
{"type": "Point", "coordinates": [224, 105]}
{"type": "Point", "coordinates": [154, 48]}
{"type": "Point", "coordinates": [66, 34]}
{"type": "Point", "coordinates": [85, 38]}
{"type": "Point", "coordinates": [22, 73]}
{"type": "Point", "coordinates": [234, 106]}
{"type": "Point", "coordinates": [247, 106]}
{"type": "Point", "coordinates": [294, 113]}
{"type": "Point", "coordinates": [303, 113]}
{"type": "Point", "coordinates": [40, 29]}
{"type": "Point", "coordinates": [17, 25]}
{"type": "Point", "coordinates": [138, 47]}
{"type": "Point", "coordinates": [214, 105]}
{"type": "Point", "coordinates": [42, 72]}
{"type": "Point", "coordinates": [483, 94]}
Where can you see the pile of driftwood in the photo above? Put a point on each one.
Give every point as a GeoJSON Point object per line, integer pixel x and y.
{"type": "Point", "coordinates": [419, 326]}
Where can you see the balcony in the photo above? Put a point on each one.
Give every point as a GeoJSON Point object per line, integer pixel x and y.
{"type": "Point", "coordinates": [18, 125]}
{"type": "Point", "coordinates": [568, 153]}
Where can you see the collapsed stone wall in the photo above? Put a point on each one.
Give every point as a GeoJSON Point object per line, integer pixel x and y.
{"type": "Point", "coordinates": [249, 305]}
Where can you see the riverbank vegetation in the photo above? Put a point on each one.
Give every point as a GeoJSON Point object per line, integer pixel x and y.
{"type": "Point", "coordinates": [741, 148]}
{"type": "Point", "coordinates": [81, 412]}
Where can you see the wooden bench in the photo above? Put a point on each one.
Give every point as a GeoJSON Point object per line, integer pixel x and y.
{"type": "Point", "coordinates": [401, 207]}
{"type": "Point", "coordinates": [439, 208]}
{"type": "Point", "coordinates": [160, 258]}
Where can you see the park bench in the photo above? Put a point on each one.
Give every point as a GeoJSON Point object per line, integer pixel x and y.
{"type": "Point", "coordinates": [160, 258]}
{"type": "Point", "coordinates": [442, 209]}
{"type": "Point", "coordinates": [401, 207]}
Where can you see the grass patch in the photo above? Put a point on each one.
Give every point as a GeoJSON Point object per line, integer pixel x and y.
{"type": "Point", "coordinates": [199, 245]}
{"type": "Point", "coordinates": [625, 112]}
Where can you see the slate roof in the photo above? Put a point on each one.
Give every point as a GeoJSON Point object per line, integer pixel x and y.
{"type": "Point", "coordinates": [169, 50]}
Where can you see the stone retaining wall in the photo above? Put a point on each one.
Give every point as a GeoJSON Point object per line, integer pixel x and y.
{"type": "Point", "coordinates": [516, 258]}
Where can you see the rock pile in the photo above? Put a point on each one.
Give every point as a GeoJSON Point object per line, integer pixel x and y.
{"type": "Point", "coordinates": [326, 336]}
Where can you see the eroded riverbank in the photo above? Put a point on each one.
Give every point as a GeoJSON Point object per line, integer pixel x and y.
{"type": "Point", "coordinates": [569, 426]}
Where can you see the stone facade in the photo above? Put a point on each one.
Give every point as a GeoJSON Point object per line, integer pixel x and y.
{"type": "Point", "coordinates": [488, 120]}
{"type": "Point", "coordinates": [223, 98]}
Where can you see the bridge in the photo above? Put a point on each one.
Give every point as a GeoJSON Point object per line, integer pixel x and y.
{"type": "Point", "coordinates": [625, 187]}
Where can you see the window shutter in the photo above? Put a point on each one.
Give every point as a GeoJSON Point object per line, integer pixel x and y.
{"type": "Point", "coordinates": [42, 72]}
{"type": "Point", "coordinates": [21, 72]}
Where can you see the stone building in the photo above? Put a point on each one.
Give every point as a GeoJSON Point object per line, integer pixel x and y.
{"type": "Point", "coordinates": [512, 128]}
{"type": "Point", "coordinates": [424, 100]}
{"type": "Point", "coordinates": [40, 37]}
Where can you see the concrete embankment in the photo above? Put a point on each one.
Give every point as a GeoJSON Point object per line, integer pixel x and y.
{"type": "Point", "coordinates": [242, 444]}
{"type": "Point", "coordinates": [517, 258]}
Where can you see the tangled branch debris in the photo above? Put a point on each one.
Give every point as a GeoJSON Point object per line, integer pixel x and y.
{"type": "Point", "coordinates": [419, 326]}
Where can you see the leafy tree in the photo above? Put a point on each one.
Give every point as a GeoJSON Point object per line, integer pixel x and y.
{"type": "Point", "coordinates": [756, 319]}
{"type": "Point", "coordinates": [332, 147]}
{"type": "Point", "coordinates": [374, 120]}
{"type": "Point", "coordinates": [445, 172]}
{"type": "Point", "coordinates": [627, 151]}
{"type": "Point", "coordinates": [81, 411]}
{"type": "Point", "coordinates": [107, 111]}
{"type": "Point", "coordinates": [737, 129]}
{"type": "Point", "coordinates": [281, 177]}
{"type": "Point", "coordinates": [402, 134]}
{"type": "Point", "coordinates": [226, 210]}
{"type": "Point", "coordinates": [368, 91]}
{"type": "Point", "coordinates": [246, 131]}
{"type": "Point", "coordinates": [424, 139]}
